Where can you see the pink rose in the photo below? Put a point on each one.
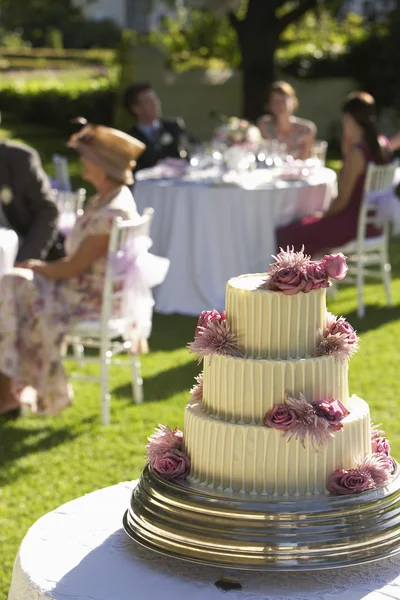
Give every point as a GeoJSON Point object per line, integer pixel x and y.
{"type": "Point", "coordinates": [289, 280]}
{"type": "Point", "coordinates": [335, 265]}
{"type": "Point", "coordinates": [340, 325]}
{"type": "Point", "coordinates": [172, 464]}
{"type": "Point", "coordinates": [209, 315]}
{"type": "Point", "coordinates": [280, 417]}
{"type": "Point", "coordinates": [353, 481]}
{"type": "Point", "coordinates": [380, 445]}
{"type": "Point", "coordinates": [316, 277]}
{"type": "Point", "coordinates": [333, 411]}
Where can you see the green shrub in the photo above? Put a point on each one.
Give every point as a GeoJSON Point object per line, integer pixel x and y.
{"type": "Point", "coordinates": [56, 102]}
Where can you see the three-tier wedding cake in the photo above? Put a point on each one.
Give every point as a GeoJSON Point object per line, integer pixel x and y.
{"type": "Point", "coordinates": [271, 435]}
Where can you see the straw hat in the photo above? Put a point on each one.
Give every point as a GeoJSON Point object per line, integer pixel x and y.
{"type": "Point", "coordinates": [112, 150]}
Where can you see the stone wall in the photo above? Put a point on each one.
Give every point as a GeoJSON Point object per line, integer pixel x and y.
{"type": "Point", "coordinates": [198, 94]}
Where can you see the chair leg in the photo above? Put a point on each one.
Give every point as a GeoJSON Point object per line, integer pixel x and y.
{"type": "Point", "coordinates": [79, 353]}
{"type": "Point", "coordinates": [360, 291]}
{"type": "Point", "coordinates": [386, 278]}
{"type": "Point", "coordinates": [137, 381]}
{"type": "Point", "coordinates": [105, 393]}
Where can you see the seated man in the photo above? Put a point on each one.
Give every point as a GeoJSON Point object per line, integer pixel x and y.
{"type": "Point", "coordinates": [27, 205]}
{"type": "Point", "coordinates": [163, 137]}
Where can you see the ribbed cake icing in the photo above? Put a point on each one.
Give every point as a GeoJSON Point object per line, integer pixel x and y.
{"type": "Point", "coordinates": [241, 390]}
{"type": "Point", "coordinates": [257, 460]}
{"type": "Point", "coordinates": [274, 325]}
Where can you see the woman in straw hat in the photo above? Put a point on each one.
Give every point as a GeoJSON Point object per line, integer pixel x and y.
{"type": "Point", "coordinates": [40, 302]}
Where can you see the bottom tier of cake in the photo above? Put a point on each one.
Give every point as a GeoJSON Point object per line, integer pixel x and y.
{"type": "Point", "coordinates": [260, 461]}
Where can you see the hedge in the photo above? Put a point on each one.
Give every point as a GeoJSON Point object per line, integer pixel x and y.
{"type": "Point", "coordinates": [56, 102]}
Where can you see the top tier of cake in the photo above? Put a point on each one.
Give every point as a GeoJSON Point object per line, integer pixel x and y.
{"type": "Point", "coordinates": [274, 325]}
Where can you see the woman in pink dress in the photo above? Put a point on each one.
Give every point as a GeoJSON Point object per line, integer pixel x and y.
{"type": "Point", "coordinates": [361, 144]}
{"type": "Point", "coordinates": [41, 301]}
{"type": "Point", "coordinates": [298, 135]}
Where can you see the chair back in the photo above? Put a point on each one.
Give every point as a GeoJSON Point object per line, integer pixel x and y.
{"type": "Point", "coordinates": [121, 237]}
{"type": "Point", "coordinates": [377, 179]}
{"type": "Point", "coordinates": [62, 180]}
{"type": "Point", "coordinates": [70, 206]}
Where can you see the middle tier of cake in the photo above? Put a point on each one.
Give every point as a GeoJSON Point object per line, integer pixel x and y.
{"type": "Point", "coordinates": [242, 390]}
{"type": "Point", "coordinates": [255, 459]}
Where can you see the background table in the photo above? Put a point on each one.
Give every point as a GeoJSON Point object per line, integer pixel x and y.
{"type": "Point", "coordinates": [80, 551]}
{"type": "Point", "coordinates": [213, 232]}
{"type": "Point", "coordinates": [8, 249]}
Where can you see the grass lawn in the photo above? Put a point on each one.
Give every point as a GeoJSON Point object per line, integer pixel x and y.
{"type": "Point", "coordinates": [48, 461]}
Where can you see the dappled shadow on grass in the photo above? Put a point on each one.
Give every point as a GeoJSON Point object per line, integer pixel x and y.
{"type": "Point", "coordinates": [16, 442]}
{"type": "Point", "coordinates": [164, 384]}
{"type": "Point", "coordinates": [375, 317]}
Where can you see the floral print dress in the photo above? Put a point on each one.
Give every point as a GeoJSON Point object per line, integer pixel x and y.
{"type": "Point", "coordinates": [36, 311]}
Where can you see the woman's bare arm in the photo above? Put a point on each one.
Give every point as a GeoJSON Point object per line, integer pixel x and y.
{"type": "Point", "coordinates": [91, 249]}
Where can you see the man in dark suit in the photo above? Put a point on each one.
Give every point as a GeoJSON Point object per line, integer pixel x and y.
{"type": "Point", "coordinates": [163, 137]}
{"type": "Point", "coordinates": [27, 205]}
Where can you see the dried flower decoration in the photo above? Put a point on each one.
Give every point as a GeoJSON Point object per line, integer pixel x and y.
{"type": "Point", "coordinates": [166, 455]}
{"type": "Point", "coordinates": [374, 471]}
{"type": "Point", "coordinates": [213, 336]}
{"type": "Point", "coordinates": [197, 390]}
{"type": "Point", "coordinates": [299, 418]}
{"type": "Point", "coordinates": [294, 272]}
{"type": "Point", "coordinates": [338, 339]}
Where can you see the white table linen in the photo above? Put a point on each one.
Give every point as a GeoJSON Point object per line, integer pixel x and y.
{"type": "Point", "coordinates": [80, 551]}
{"type": "Point", "coordinates": [8, 249]}
{"type": "Point", "coordinates": [213, 232]}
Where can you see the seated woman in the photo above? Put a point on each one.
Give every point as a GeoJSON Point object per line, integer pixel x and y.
{"type": "Point", "coordinates": [361, 144]}
{"type": "Point", "coordinates": [297, 134]}
{"type": "Point", "coordinates": [41, 301]}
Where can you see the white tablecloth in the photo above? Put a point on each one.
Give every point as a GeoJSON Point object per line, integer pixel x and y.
{"type": "Point", "coordinates": [8, 249]}
{"type": "Point", "coordinates": [80, 552]}
{"type": "Point", "coordinates": [211, 233]}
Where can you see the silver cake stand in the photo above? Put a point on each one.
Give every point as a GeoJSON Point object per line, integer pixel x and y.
{"type": "Point", "coordinates": [234, 531]}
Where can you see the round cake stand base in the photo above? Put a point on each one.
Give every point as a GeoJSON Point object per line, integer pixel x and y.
{"type": "Point", "coordinates": [237, 531]}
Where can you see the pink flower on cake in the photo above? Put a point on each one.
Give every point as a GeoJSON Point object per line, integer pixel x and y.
{"type": "Point", "coordinates": [381, 445]}
{"type": "Point", "coordinates": [290, 280]}
{"type": "Point", "coordinates": [374, 471]}
{"type": "Point", "coordinates": [165, 453]}
{"type": "Point", "coordinates": [301, 419]}
{"type": "Point", "coordinates": [307, 424]}
{"type": "Point", "coordinates": [353, 481]}
{"type": "Point", "coordinates": [289, 258]}
{"type": "Point", "coordinates": [280, 417]}
{"type": "Point", "coordinates": [209, 315]}
{"type": "Point", "coordinates": [173, 464]}
{"type": "Point", "coordinates": [197, 390]}
{"type": "Point", "coordinates": [338, 339]}
{"type": "Point", "coordinates": [162, 440]}
{"type": "Point", "coordinates": [214, 337]}
{"type": "Point", "coordinates": [316, 277]}
{"type": "Point", "coordinates": [340, 325]}
{"type": "Point", "coordinates": [294, 272]}
{"type": "Point", "coordinates": [335, 265]}
{"type": "Point", "coordinates": [380, 468]}
{"type": "Point", "coordinates": [333, 411]}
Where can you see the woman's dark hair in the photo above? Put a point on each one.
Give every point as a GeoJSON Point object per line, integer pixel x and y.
{"type": "Point", "coordinates": [361, 107]}
{"type": "Point", "coordinates": [131, 95]}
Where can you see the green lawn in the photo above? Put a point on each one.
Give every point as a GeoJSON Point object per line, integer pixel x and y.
{"type": "Point", "coordinates": [48, 461]}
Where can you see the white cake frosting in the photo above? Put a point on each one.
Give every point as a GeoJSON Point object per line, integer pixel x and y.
{"type": "Point", "coordinates": [225, 436]}
{"type": "Point", "coordinates": [242, 390]}
{"type": "Point", "coordinates": [257, 460]}
{"type": "Point", "coordinates": [271, 324]}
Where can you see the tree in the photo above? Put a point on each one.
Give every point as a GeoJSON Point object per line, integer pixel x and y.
{"type": "Point", "coordinates": [258, 25]}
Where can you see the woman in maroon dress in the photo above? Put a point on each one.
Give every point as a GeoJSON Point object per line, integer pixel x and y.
{"type": "Point", "coordinates": [361, 144]}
